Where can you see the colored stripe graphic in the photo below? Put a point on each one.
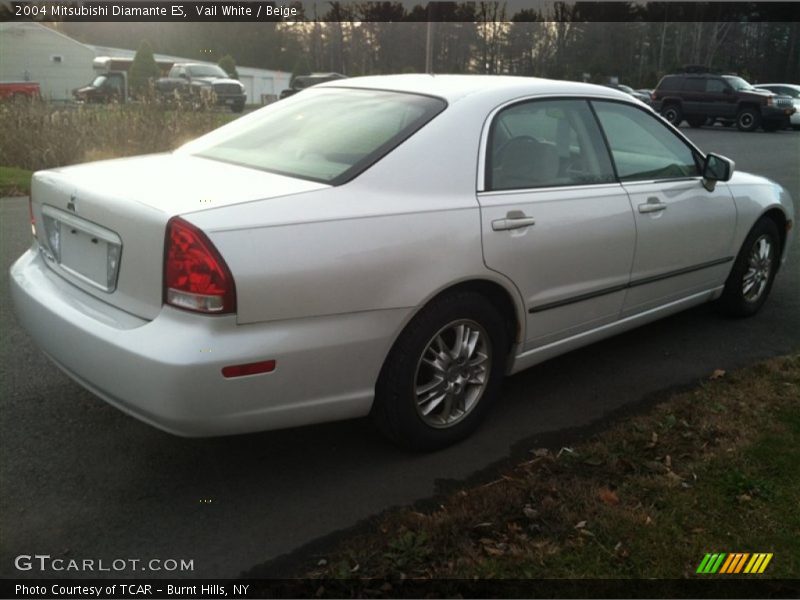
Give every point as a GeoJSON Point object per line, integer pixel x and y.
{"type": "Point", "coordinates": [741, 562]}
{"type": "Point", "coordinates": [765, 563]}
{"type": "Point", "coordinates": [711, 563]}
{"type": "Point", "coordinates": [727, 564]}
{"type": "Point", "coordinates": [734, 563]}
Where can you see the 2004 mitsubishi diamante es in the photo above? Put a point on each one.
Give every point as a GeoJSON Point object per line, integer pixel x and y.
{"type": "Point", "coordinates": [389, 246]}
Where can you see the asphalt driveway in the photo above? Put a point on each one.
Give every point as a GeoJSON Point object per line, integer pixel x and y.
{"type": "Point", "coordinates": [81, 480]}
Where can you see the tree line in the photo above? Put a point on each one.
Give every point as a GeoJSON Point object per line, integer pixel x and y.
{"type": "Point", "coordinates": [476, 37]}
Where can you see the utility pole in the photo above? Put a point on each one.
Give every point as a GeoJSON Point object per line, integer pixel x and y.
{"type": "Point", "coordinates": [429, 39]}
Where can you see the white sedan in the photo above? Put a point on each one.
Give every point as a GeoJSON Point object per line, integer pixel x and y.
{"type": "Point", "coordinates": [390, 246]}
{"type": "Point", "coordinates": [786, 89]}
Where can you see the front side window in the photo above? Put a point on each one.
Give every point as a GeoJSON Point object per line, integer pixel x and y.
{"type": "Point", "coordinates": [715, 86]}
{"type": "Point", "coordinates": [329, 135]}
{"type": "Point", "coordinates": [545, 143]}
{"type": "Point", "coordinates": [641, 144]}
{"type": "Point", "coordinates": [738, 83]}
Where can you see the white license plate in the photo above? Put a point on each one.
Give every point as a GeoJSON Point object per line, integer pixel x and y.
{"type": "Point", "coordinates": [84, 254]}
{"type": "Point", "coordinates": [82, 249]}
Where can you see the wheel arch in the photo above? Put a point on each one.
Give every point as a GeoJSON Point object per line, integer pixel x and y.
{"type": "Point", "coordinates": [777, 215]}
{"type": "Point", "coordinates": [502, 294]}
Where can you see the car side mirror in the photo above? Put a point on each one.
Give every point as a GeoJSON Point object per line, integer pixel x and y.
{"type": "Point", "coordinates": [716, 168]}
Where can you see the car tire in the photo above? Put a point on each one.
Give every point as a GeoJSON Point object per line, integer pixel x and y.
{"type": "Point", "coordinates": [697, 122]}
{"type": "Point", "coordinates": [429, 395]}
{"type": "Point", "coordinates": [748, 119]}
{"type": "Point", "coordinates": [673, 114]}
{"type": "Point", "coordinates": [753, 272]}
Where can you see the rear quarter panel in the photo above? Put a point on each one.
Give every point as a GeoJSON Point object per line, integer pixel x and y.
{"type": "Point", "coordinates": [397, 234]}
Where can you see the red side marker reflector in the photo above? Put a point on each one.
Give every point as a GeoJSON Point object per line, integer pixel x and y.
{"type": "Point", "coordinates": [265, 366]}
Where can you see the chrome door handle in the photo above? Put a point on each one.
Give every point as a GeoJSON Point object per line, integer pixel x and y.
{"type": "Point", "coordinates": [652, 205]}
{"type": "Point", "coordinates": [513, 220]}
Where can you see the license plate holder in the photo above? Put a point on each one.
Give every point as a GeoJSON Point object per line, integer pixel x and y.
{"type": "Point", "coordinates": [85, 250]}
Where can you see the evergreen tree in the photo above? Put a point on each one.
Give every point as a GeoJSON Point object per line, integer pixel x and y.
{"type": "Point", "coordinates": [228, 65]}
{"type": "Point", "coordinates": [143, 69]}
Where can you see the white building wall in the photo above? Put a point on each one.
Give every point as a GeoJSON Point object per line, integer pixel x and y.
{"type": "Point", "coordinates": [263, 85]}
{"type": "Point", "coordinates": [33, 52]}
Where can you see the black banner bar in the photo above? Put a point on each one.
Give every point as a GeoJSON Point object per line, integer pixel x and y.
{"type": "Point", "coordinates": [179, 589]}
{"type": "Point", "coordinates": [409, 11]}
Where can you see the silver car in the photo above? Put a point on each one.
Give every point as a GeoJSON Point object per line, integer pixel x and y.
{"type": "Point", "coordinates": [786, 89]}
{"type": "Point", "coordinates": [390, 246]}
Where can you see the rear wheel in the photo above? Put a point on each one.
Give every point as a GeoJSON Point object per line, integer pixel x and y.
{"type": "Point", "coordinates": [443, 373]}
{"type": "Point", "coordinates": [673, 114]}
{"type": "Point", "coordinates": [748, 119]}
{"type": "Point", "coordinates": [751, 277]}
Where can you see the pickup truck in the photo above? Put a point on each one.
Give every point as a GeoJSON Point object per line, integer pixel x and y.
{"type": "Point", "coordinates": [302, 82]}
{"type": "Point", "coordinates": [201, 82]}
{"type": "Point", "coordinates": [18, 90]}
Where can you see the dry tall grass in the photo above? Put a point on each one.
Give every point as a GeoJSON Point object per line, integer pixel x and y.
{"type": "Point", "coordinates": [38, 135]}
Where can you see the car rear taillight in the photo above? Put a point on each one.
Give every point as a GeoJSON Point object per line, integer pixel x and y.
{"type": "Point", "coordinates": [33, 218]}
{"type": "Point", "coordinates": [195, 275]}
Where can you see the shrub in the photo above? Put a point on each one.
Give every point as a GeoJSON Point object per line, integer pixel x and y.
{"type": "Point", "coordinates": [38, 135]}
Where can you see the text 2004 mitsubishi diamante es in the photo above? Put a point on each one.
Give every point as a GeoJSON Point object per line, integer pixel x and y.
{"type": "Point", "coordinates": [389, 246]}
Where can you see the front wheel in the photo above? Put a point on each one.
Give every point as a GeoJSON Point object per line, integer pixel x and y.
{"type": "Point", "coordinates": [748, 119]}
{"type": "Point", "coordinates": [443, 373]}
{"type": "Point", "coordinates": [751, 277]}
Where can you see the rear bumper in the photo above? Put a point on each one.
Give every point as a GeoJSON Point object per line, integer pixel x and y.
{"type": "Point", "coordinates": [167, 372]}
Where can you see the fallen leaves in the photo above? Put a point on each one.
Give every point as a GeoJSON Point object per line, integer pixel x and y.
{"type": "Point", "coordinates": [717, 374]}
{"type": "Point", "coordinates": [608, 496]}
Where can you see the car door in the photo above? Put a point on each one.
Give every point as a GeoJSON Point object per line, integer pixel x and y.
{"type": "Point", "coordinates": [684, 231]}
{"type": "Point", "coordinates": [554, 219]}
{"type": "Point", "coordinates": [720, 97]}
{"type": "Point", "coordinates": [694, 100]}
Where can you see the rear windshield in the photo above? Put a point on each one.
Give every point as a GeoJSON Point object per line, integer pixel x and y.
{"type": "Point", "coordinates": [328, 135]}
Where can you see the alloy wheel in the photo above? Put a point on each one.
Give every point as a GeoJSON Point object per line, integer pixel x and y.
{"type": "Point", "coordinates": [759, 269]}
{"type": "Point", "coordinates": [452, 373]}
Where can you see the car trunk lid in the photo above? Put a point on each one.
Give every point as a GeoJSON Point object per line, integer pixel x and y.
{"type": "Point", "coordinates": [101, 226]}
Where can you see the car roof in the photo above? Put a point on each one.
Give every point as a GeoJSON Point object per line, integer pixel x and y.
{"type": "Point", "coordinates": [791, 85]}
{"type": "Point", "coordinates": [455, 87]}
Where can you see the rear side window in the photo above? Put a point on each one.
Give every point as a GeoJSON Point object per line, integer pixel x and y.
{"type": "Point", "coordinates": [328, 135]}
{"type": "Point", "coordinates": [694, 84]}
{"type": "Point", "coordinates": [642, 146]}
{"type": "Point", "coordinates": [670, 83]}
{"type": "Point", "coordinates": [545, 143]}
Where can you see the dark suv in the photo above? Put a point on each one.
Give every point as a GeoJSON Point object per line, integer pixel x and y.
{"type": "Point", "coordinates": [701, 98]}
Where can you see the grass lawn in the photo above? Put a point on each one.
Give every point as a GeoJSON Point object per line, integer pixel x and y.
{"type": "Point", "coordinates": [14, 182]}
{"type": "Point", "coordinates": [715, 469]}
